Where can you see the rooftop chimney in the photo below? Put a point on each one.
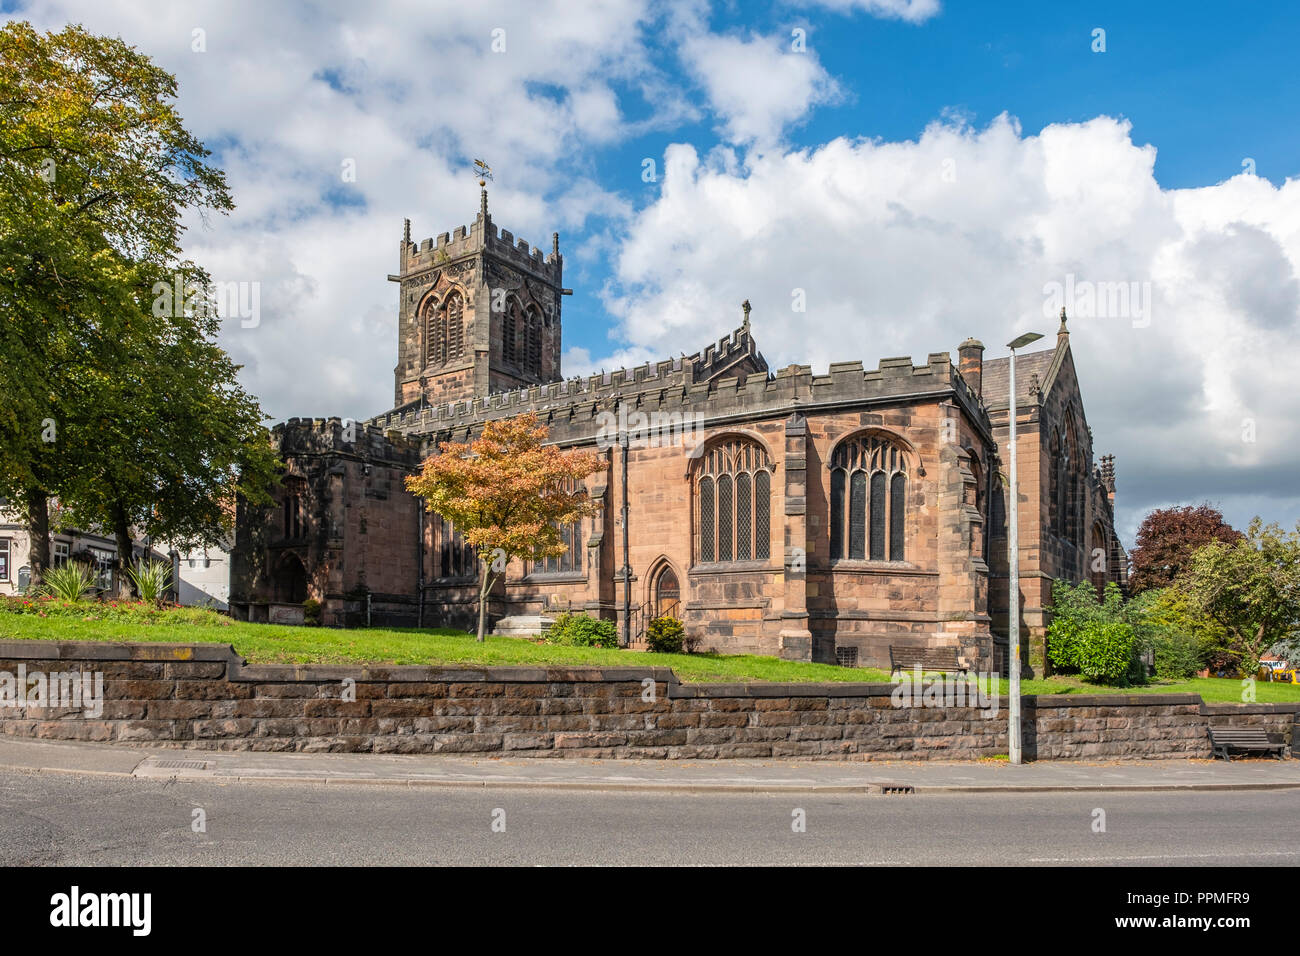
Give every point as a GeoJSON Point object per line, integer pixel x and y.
{"type": "Point", "coordinates": [971, 364]}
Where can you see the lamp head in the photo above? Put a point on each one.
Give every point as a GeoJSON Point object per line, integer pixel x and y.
{"type": "Point", "coordinates": [1020, 341]}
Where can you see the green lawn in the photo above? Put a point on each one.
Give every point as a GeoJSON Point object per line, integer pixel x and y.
{"type": "Point", "coordinates": [278, 644]}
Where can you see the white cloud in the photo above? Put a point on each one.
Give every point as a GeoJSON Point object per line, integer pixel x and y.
{"type": "Point", "coordinates": [912, 11]}
{"type": "Point", "coordinates": [907, 248]}
{"type": "Point", "coordinates": [408, 94]}
{"type": "Point", "coordinates": [757, 86]}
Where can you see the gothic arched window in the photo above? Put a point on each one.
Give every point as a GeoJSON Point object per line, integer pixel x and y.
{"type": "Point", "coordinates": [1062, 487]}
{"type": "Point", "coordinates": [445, 330]}
{"type": "Point", "coordinates": [295, 492]}
{"type": "Point", "coordinates": [733, 495]}
{"type": "Point", "coordinates": [571, 537]}
{"type": "Point", "coordinates": [1078, 484]}
{"type": "Point", "coordinates": [868, 500]}
{"type": "Point", "coordinates": [533, 324]}
{"type": "Point", "coordinates": [514, 334]}
{"type": "Point", "coordinates": [455, 555]}
{"type": "Point", "coordinates": [1099, 560]}
{"type": "Point", "coordinates": [453, 318]}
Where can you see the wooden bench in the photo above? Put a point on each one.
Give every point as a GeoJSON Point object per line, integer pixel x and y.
{"type": "Point", "coordinates": [1225, 740]}
{"type": "Point", "coordinates": [928, 658]}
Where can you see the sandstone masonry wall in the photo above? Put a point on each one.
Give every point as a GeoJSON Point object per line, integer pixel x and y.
{"type": "Point", "coordinates": [205, 697]}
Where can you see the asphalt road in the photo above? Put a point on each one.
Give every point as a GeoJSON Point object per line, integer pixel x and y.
{"type": "Point", "coordinates": [85, 820]}
{"type": "Point", "coordinates": [75, 819]}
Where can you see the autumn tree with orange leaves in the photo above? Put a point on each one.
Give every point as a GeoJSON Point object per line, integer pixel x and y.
{"type": "Point", "coordinates": [508, 493]}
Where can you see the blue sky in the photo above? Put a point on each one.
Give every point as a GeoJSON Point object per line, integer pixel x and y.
{"type": "Point", "coordinates": [920, 171]}
{"type": "Point", "coordinates": [1210, 84]}
{"type": "Point", "coordinates": [1202, 80]}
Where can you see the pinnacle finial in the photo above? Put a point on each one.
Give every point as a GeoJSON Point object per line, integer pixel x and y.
{"type": "Point", "coordinates": [745, 308]}
{"type": "Point", "coordinates": [1062, 330]}
{"type": "Point", "coordinates": [406, 231]}
{"type": "Point", "coordinates": [484, 174]}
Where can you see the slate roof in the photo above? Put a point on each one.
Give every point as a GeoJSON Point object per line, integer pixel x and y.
{"type": "Point", "coordinates": [997, 372]}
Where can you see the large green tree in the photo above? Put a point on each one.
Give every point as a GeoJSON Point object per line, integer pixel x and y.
{"type": "Point", "coordinates": [176, 438]}
{"type": "Point", "coordinates": [132, 417]}
{"type": "Point", "coordinates": [1250, 588]}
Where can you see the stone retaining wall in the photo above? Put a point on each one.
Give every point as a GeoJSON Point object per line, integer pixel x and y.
{"type": "Point", "coordinates": [204, 696]}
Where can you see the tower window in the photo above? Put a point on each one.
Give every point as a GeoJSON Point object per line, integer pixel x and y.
{"type": "Point", "coordinates": [533, 322]}
{"type": "Point", "coordinates": [295, 489]}
{"type": "Point", "coordinates": [445, 330]}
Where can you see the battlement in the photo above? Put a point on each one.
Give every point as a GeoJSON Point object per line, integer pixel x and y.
{"type": "Point", "coordinates": [729, 350]}
{"type": "Point", "coordinates": [676, 386]}
{"type": "Point", "coordinates": [482, 236]}
{"type": "Point", "coordinates": [318, 436]}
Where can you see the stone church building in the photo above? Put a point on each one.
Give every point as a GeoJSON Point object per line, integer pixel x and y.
{"type": "Point", "coordinates": [815, 517]}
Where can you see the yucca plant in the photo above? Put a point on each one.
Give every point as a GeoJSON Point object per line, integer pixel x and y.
{"type": "Point", "coordinates": [69, 582]}
{"type": "Point", "coordinates": [151, 579]}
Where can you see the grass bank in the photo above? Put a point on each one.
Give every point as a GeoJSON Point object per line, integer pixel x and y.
{"type": "Point", "coordinates": [279, 644]}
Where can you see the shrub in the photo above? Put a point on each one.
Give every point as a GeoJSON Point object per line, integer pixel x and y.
{"type": "Point", "coordinates": [1095, 638]}
{"type": "Point", "coordinates": [311, 612]}
{"type": "Point", "coordinates": [666, 636]}
{"type": "Point", "coordinates": [1178, 655]}
{"type": "Point", "coordinates": [582, 630]}
{"type": "Point", "coordinates": [1179, 636]}
{"type": "Point", "coordinates": [1106, 652]}
{"type": "Point", "coordinates": [151, 579]}
{"type": "Point", "coordinates": [69, 582]}
{"type": "Point", "coordinates": [1063, 643]}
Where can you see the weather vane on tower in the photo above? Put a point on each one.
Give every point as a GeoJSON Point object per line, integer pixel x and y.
{"type": "Point", "coordinates": [484, 172]}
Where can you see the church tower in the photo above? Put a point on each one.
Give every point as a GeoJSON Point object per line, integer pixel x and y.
{"type": "Point", "coordinates": [479, 312]}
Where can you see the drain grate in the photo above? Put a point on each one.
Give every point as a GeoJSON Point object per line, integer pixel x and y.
{"type": "Point", "coordinates": [889, 790]}
{"type": "Point", "coordinates": [173, 764]}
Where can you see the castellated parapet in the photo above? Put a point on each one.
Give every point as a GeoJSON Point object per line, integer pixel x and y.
{"type": "Point", "coordinates": [482, 235]}
{"type": "Point", "coordinates": [687, 385]}
{"type": "Point", "coordinates": [305, 437]}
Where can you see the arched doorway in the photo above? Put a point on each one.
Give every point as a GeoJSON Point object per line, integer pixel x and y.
{"type": "Point", "coordinates": [290, 581]}
{"type": "Point", "coordinates": [667, 594]}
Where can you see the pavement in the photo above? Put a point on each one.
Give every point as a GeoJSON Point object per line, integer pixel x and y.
{"type": "Point", "coordinates": [692, 776]}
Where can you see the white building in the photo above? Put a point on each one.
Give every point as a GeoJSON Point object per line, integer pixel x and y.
{"type": "Point", "coordinates": [204, 576]}
{"type": "Point", "coordinates": [201, 576]}
{"type": "Point", "coordinates": [15, 555]}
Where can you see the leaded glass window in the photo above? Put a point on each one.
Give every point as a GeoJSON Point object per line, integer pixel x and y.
{"type": "Point", "coordinates": [871, 472]}
{"type": "Point", "coordinates": [734, 494]}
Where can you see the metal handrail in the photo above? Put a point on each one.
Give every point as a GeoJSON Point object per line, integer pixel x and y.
{"type": "Point", "coordinates": [642, 616]}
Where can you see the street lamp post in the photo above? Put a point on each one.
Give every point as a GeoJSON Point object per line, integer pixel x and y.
{"type": "Point", "coordinates": [626, 444]}
{"type": "Point", "coordinates": [1013, 566]}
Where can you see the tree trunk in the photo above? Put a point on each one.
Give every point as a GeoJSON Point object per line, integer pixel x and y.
{"type": "Point", "coordinates": [485, 585]}
{"type": "Point", "coordinates": [38, 535]}
{"type": "Point", "coordinates": [122, 532]}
